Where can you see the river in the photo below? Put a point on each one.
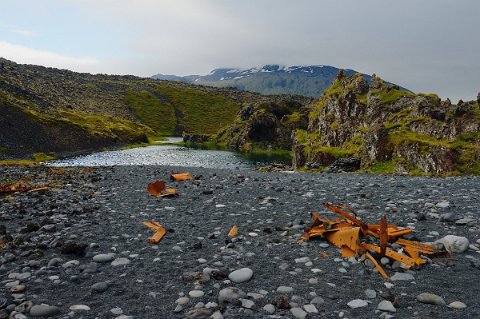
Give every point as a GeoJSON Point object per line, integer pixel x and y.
{"type": "Point", "coordinates": [170, 155]}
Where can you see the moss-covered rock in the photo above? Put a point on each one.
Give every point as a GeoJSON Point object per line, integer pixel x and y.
{"type": "Point", "coordinates": [379, 123]}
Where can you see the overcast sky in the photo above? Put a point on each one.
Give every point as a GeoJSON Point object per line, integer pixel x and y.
{"type": "Point", "coordinates": [423, 45]}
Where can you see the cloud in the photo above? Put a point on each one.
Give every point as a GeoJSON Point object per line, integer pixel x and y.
{"type": "Point", "coordinates": [23, 54]}
{"type": "Point", "coordinates": [25, 33]}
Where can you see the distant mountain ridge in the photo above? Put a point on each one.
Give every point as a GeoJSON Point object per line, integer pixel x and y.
{"type": "Point", "coordinates": [270, 79]}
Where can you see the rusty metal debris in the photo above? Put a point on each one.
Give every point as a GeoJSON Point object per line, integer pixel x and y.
{"type": "Point", "coordinates": [233, 231]}
{"type": "Point", "coordinates": [180, 177]}
{"type": "Point", "coordinates": [20, 187]}
{"type": "Point", "coordinates": [159, 232]}
{"type": "Point", "coordinates": [355, 237]}
{"type": "Point", "coordinates": [158, 189]}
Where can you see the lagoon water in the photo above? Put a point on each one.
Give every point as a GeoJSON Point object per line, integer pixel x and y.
{"type": "Point", "coordinates": [170, 155]}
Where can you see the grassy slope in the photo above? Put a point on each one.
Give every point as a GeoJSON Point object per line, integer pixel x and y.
{"type": "Point", "coordinates": [195, 110]}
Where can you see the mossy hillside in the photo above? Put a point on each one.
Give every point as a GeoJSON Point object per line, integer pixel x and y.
{"type": "Point", "coordinates": [150, 111]}
{"type": "Point", "coordinates": [201, 112]}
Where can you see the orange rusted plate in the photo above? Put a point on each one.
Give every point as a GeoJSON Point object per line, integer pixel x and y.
{"type": "Point", "coordinates": [15, 187]}
{"type": "Point", "coordinates": [346, 236]}
{"type": "Point", "coordinates": [377, 265]}
{"type": "Point", "coordinates": [159, 232]}
{"type": "Point", "coordinates": [410, 262]}
{"type": "Point", "coordinates": [156, 188]}
{"type": "Point", "coordinates": [233, 231]}
{"type": "Point", "coordinates": [180, 177]}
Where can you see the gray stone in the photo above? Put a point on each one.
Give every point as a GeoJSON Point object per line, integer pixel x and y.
{"type": "Point", "coordinates": [216, 315]}
{"type": "Point", "coordinates": [454, 244]}
{"type": "Point", "coordinates": [246, 303]}
{"type": "Point", "coordinates": [443, 204]}
{"type": "Point", "coordinates": [298, 313]}
{"type": "Point", "coordinates": [241, 275]}
{"type": "Point", "coordinates": [402, 276]}
{"type": "Point", "coordinates": [44, 311]}
{"type": "Point", "coordinates": [370, 294]}
{"type": "Point", "coordinates": [387, 306]}
{"type": "Point", "coordinates": [103, 258]}
{"type": "Point", "coordinates": [284, 289]}
{"type": "Point", "coordinates": [457, 305]}
{"type": "Point", "coordinates": [79, 308]}
{"type": "Point", "coordinates": [310, 308]}
{"type": "Point", "coordinates": [269, 308]}
{"type": "Point", "coordinates": [431, 299]}
{"type": "Point", "coordinates": [182, 300]}
{"type": "Point", "coordinates": [230, 295]}
{"type": "Point", "coordinates": [357, 303]}
{"type": "Point", "coordinates": [318, 301]}
{"type": "Point", "coordinates": [196, 293]}
{"type": "Point", "coordinates": [122, 261]}
{"type": "Point", "coordinates": [100, 286]}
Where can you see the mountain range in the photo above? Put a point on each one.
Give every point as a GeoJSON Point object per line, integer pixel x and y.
{"type": "Point", "coordinates": [269, 80]}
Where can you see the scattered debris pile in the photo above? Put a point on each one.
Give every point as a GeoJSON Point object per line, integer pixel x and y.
{"type": "Point", "coordinates": [355, 237]}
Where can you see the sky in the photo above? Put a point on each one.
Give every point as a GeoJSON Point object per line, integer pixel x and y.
{"type": "Point", "coordinates": [428, 46]}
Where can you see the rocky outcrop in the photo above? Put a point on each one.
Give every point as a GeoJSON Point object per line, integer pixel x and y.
{"type": "Point", "coordinates": [266, 125]}
{"type": "Point", "coordinates": [379, 123]}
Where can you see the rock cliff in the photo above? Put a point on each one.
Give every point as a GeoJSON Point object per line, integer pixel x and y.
{"type": "Point", "coordinates": [385, 129]}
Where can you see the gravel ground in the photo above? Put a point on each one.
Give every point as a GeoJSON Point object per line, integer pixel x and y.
{"type": "Point", "coordinates": [81, 248]}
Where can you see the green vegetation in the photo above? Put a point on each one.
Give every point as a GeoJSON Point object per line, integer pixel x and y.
{"type": "Point", "coordinates": [29, 163]}
{"type": "Point", "coordinates": [201, 112]}
{"type": "Point", "coordinates": [390, 96]}
{"type": "Point", "coordinates": [159, 116]}
{"type": "Point", "coordinates": [43, 157]}
{"type": "Point", "coordinates": [387, 167]}
{"type": "Point", "coordinates": [3, 149]}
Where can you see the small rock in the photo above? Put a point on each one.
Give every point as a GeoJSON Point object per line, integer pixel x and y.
{"type": "Point", "coordinates": [103, 258]}
{"type": "Point", "coordinates": [431, 299]}
{"type": "Point", "coordinates": [241, 275]}
{"type": "Point", "coordinates": [318, 301]}
{"type": "Point", "coordinates": [71, 247]}
{"type": "Point", "coordinates": [387, 306]}
{"type": "Point", "coordinates": [216, 315]}
{"type": "Point", "coordinates": [18, 289]}
{"type": "Point", "coordinates": [122, 261]}
{"type": "Point", "coordinates": [310, 308]}
{"type": "Point", "coordinates": [230, 295]}
{"type": "Point", "coordinates": [196, 293]}
{"type": "Point", "coordinates": [44, 311]}
{"type": "Point", "coordinates": [79, 308]}
{"type": "Point", "coordinates": [457, 305]}
{"type": "Point", "coordinates": [402, 276]}
{"type": "Point", "coordinates": [454, 244]}
{"type": "Point", "coordinates": [269, 308]}
{"type": "Point", "coordinates": [182, 300]}
{"type": "Point", "coordinates": [100, 286]}
{"type": "Point", "coordinates": [284, 289]}
{"type": "Point", "coordinates": [117, 311]}
{"type": "Point", "coordinates": [246, 303]}
{"type": "Point", "coordinates": [357, 303]}
{"type": "Point", "coordinates": [370, 294]}
{"type": "Point", "coordinates": [298, 313]}
{"type": "Point", "coordinates": [443, 204]}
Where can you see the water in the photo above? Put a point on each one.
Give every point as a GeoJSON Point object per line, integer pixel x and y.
{"type": "Point", "coordinates": [171, 155]}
